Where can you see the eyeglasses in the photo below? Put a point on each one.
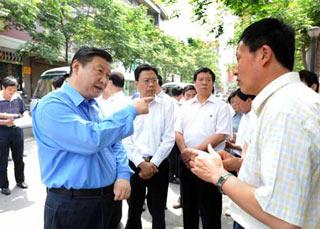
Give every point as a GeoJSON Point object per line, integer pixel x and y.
{"type": "Point", "coordinates": [148, 81]}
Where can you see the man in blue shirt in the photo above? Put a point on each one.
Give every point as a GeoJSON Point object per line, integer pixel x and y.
{"type": "Point", "coordinates": [11, 136]}
{"type": "Point", "coordinates": [82, 161]}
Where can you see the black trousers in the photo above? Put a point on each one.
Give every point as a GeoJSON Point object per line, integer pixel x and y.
{"type": "Point", "coordinates": [11, 138]}
{"type": "Point", "coordinates": [174, 158]}
{"type": "Point", "coordinates": [157, 187]}
{"type": "Point", "coordinates": [79, 212]}
{"type": "Point", "coordinates": [199, 198]}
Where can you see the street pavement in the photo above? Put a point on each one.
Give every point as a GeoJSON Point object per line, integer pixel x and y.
{"type": "Point", "coordinates": [24, 207]}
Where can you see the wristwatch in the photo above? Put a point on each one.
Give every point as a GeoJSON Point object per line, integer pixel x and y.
{"type": "Point", "coordinates": [222, 180]}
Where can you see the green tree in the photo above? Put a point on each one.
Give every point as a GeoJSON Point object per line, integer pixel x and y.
{"type": "Point", "coordinates": [300, 14]}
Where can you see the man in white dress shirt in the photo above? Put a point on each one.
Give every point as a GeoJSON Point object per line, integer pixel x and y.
{"type": "Point", "coordinates": [203, 120]}
{"type": "Point", "coordinates": [113, 99]}
{"type": "Point", "coordinates": [148, 149]}
{"type": "Point", "coordinates": [279, 180]}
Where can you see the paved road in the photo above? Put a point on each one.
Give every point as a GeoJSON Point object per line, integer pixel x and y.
{"type": "Point", "coordinates": [24, 208]}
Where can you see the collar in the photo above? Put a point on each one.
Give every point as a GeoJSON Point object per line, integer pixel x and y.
{"type": "Point", "coordinates": [116, 95]}
{"type": "Point", "coordinates": [272, 87]}
{"type": "Point", "coordinates": [210, 99]}
{"type": "Point", "coordinates": [15, 96]}
{"type": "Point", "coordinates": [74, 95]}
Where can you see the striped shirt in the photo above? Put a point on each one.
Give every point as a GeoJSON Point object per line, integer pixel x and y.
{"type": "Point", "coordinates": [283, 158]}
{"type": "Point", "coordinates": [14, 106]}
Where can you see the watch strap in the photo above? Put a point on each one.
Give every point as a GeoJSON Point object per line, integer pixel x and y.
{"type": "Point", "coordinates": [222, 180]}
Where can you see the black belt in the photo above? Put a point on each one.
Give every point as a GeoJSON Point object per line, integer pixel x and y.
{"type": "Point", "coordinates": [83, 192]}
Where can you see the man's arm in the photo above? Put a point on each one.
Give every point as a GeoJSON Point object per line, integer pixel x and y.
{"type": "Point", "coordinates": [214, 140]}
{"type": "Point", "coordinates": [168, 135]}
{"type": "Point", "coordinates": [210, 168]}
{"type": "Point", "coordinates": [122, 187]}
{"type": "Point", "coordinates": [67, 129]}
{"type": "Point", "coordinates": [180, 141]}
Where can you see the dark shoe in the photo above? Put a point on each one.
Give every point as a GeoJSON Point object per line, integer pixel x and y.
{"type": "Point", "coordinates": [5, 191]}
{"type": "Point", "coordinates": [22, 185]}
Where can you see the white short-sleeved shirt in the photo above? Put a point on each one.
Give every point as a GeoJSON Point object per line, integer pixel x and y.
{"type": "Point", "coordinates": [283, 158]}
{"type": "Point", "coordinates": [198, 121]}
{"type": "Point", "coordinates": [114, 103]}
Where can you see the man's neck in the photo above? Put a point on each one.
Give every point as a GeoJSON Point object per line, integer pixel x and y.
{"type": "Point", "coordinates": [202, 98]}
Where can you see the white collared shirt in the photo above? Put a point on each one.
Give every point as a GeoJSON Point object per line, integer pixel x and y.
{"type": "Point", "coordinates": [153, 133]}
{"type": "Point", "coordinates": [246, 128]}
{"type": "Point", "coordinates": [283, 158]}
{"type": "Point", "coordinates": [198, 121]}
{"type": "Point", "coordinates": [114, 103]}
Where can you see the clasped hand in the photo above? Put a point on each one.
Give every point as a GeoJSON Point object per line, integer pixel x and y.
{"type": "Point", "coordinates": [148, 169]}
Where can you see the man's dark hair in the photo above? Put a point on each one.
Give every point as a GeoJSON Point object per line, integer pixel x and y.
{"type": "Point", "coordinates": [188, 88]}
{"type": "Point", "coordinates": [233, 94]}
{"type": "Point", "coordinates": [117, 79]}
{"type": "Point", "coordinates": [85, 54]}
{"type": "Point", "coordinates": [9, 81]}
{"type": "Point", "coordinates": [143, 67]}
{"type": "Point", "coordinates": [309, 78]}
{"type": "Point", "coordinates": [58, 81]}
{"type": "Point", "coordinates": [160, 80]}
{"type": "Point", "coordinates": [243, 96]}
{"type": "Point", "coordinates": [176, 91]}
{"type": "Point", "coordinates": [204, 70]}
{"type": "Point", "coordinates": [274, 33]}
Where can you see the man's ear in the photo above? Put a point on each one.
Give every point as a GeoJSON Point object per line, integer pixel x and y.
{"type": "Point", "coordinates": [314, 87]}
{"type": "Point", "coordinates": [265, 54]}
{"type": "Point", "coordinates": [75, 66]}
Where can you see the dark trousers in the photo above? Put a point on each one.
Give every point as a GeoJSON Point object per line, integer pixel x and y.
{"type": "Point", "coordinates": [157, 187]}
{"type": "Point", "coordinates": [80, 212]}
{"type": "Point", "coordinates": [11, 138]}
{"type": "Point", "coordinates": [174, 158]}
{"type": "Point", "coordinates": [199, 198]}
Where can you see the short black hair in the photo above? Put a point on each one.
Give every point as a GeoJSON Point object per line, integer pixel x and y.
{"type": "Point", "coordinates": [58, 81]}
{"type": "Point", "coordinates": [242, 96]}
{"type": "Point", "coordinates": [144, 67]}
{"type": "Point", "coordinates": [274, 33]}
{"type": "Point", "coordinates": [188, 88]}
{"type": "Point", "coordinates": [9, 81]}
{"type": "Point", "coordinates": [85, 54]}
{"type": "Point", "coordinates": [309, 78]}
{"type": "Point", "coordinates": [176, 91]}
{"type": "Point", "coordinates": [160, 80]}
{"type": "Point", "coordinates": [204, 70]}
{"type": "Point", "coordinates": [233, 94]}
{"type": "Point", "coordinates": [117, 79]}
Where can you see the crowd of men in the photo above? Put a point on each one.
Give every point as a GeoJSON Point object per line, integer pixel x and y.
{"type": "Point", "coordinates": [98, 147]}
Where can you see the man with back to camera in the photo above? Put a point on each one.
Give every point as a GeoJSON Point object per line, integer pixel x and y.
{"type": "Point", "coordinates": [148, 149]}
{"type": "Point", "coordinates": [11, 136]}
{"type": "Point", "coordinates": [112, 100]}
{"type": "Point", "coordinates": [202, 120]}
{"type": "Point", "coordinates": [82, 161]}
{"type": "Point", "coordinates": [279, 180]}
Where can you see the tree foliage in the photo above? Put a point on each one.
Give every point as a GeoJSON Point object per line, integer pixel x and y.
{"type": "Point", "coordinates": [300, 14]}
{"type": "Point", "coordinates": [56, 26]}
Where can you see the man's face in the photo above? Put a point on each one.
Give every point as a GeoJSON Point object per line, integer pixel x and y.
{"type": "Point", "coordinates": [147, 83]}
{"type": "Point", "coordinates": [189, 94]}
{"type": "Point", "coordinates": [204, 84]}
{"type": "Point", "coordinates": [234, 101]}
{"type": "Point", "coordinates": [9, 91]}
{"type": "Point", "coordinates": [92, 78]}
{"type": "Point", "coordinates": [247, 70]}
{"type": "Point", "coordinates": [243, 106]}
